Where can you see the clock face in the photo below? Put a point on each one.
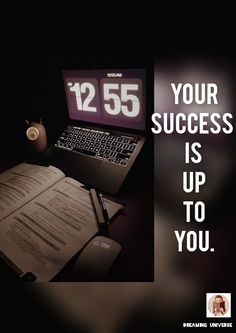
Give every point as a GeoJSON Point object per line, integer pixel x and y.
{"type": "Point", "coordinates": [110, 97]}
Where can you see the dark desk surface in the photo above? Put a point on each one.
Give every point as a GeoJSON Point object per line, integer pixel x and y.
{"type": "Point", "coordinates": [133, 229]}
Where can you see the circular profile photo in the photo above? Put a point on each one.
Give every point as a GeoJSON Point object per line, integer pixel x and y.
{"type": "Point", "coordinates": [218, 305]}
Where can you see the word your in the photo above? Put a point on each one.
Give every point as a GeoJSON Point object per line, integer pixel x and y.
{"type": "Point", "coordinates": [198, 93]}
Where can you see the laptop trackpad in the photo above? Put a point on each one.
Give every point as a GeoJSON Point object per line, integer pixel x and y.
{"type": "Point", "coordinates": [81, 167]}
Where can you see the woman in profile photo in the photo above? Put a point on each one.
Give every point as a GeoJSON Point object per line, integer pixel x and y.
{"type": "Point", "coordinates": [219, 306]}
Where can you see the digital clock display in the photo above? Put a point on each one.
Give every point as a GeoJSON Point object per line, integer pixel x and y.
{"type": "Point", "coordinates": [110, 97]}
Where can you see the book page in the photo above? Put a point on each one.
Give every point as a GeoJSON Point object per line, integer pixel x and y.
{"type": "Point", "coordinates": [44, 234]}
{"type": "Point", "coordinates": [22, 183]}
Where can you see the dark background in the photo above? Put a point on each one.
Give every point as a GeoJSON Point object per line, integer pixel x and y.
{"type": "Point", "coordinates": [34, 48]}
{"type": "Point", "coordinates": [204, 44]}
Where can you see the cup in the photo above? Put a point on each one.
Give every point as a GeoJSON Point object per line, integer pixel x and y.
{"type": "Point", "coordinates": [36, 138]}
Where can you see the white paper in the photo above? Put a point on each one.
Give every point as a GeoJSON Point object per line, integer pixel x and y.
{"type": "Point", "coordinates": [44, 234]}
{"type": "Point", "coordinates": [22, 183]}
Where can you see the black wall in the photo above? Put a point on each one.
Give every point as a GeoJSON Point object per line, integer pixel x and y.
{"type": "Point", "coordinates": [35, 48]}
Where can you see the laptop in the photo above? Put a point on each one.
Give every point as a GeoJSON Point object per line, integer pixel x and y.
{"type": "Point", "coordinates": [106, 128]}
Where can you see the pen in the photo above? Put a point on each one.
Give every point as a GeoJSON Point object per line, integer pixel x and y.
{"type": "Point", "coordinates": [104, 209]}
{"type": "Point", "coordinates": [98, 210]}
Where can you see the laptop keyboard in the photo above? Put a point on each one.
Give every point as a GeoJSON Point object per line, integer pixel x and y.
{"type": "Point", "coordinates": [98, 144]}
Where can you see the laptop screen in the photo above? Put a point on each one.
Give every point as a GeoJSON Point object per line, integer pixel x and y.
{"type": "Point", "coordinates": [112, 97]}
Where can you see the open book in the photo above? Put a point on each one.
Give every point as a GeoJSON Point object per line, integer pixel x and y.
{"type": "Point", "coordinates": [45, 218]}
